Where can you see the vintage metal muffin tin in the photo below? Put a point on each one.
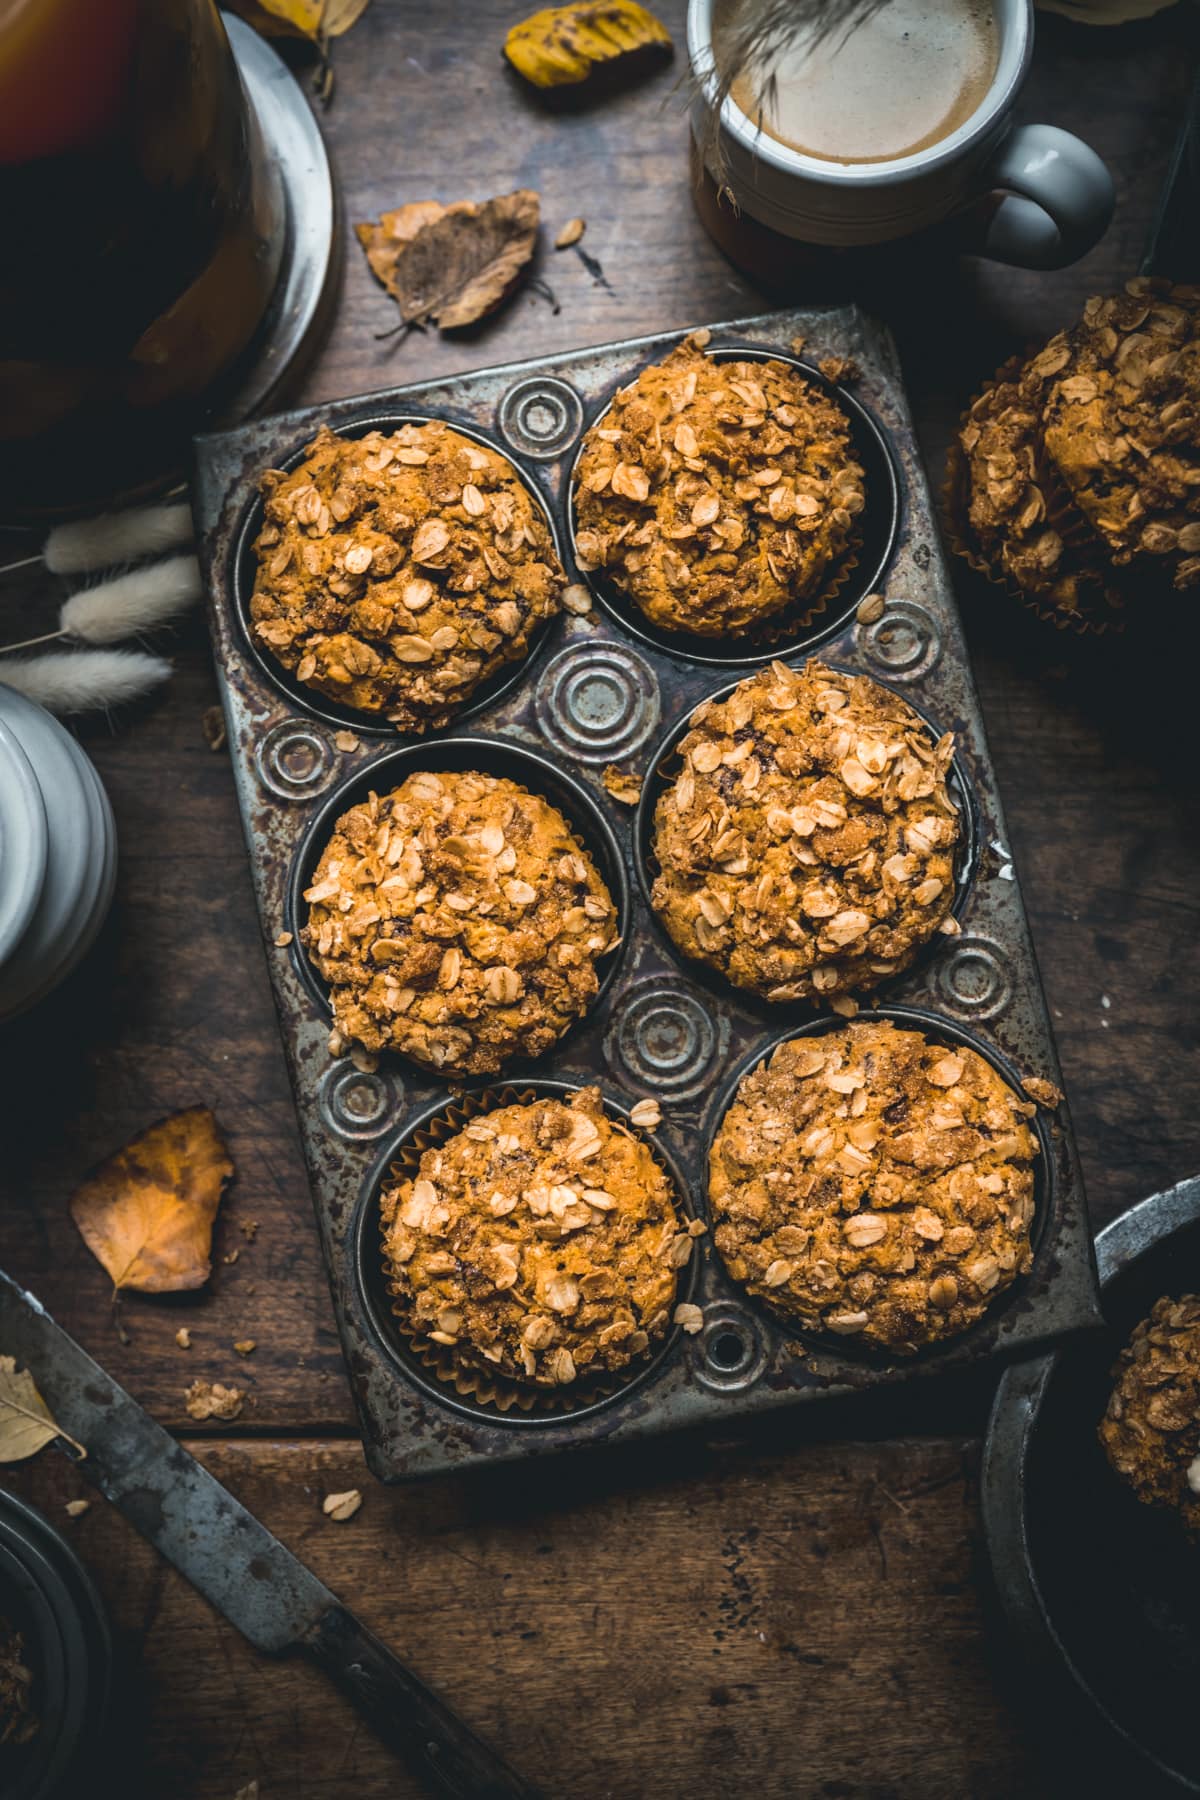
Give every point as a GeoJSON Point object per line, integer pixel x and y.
{"type": "Point", "coordinates": [607, 689]}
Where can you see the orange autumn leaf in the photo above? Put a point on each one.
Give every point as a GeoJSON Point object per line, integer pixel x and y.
{"type": "Point", "coordinates": [147, 1214]}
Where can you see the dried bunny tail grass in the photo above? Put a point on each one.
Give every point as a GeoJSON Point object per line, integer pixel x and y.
{"type": "Point", "coordinates": [80, 681]}
{"type": "Point", "coordinates": [134, 603]}
{"type": "Point", "coordinates": [119, 537]}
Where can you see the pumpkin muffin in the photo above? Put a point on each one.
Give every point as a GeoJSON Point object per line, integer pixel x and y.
{"type": "Point", "coordinates": [458, 920]}
{"type": "Point", "coordinates": [806, 847]}
{"type": "Point", "coordinates": [542, 1242]}
{"type": "Point", "coordinates": [397, 573]}
{"type": "Point", "coordinates": [1151, 1430]}
{"type": "Point", "coordinates": [870, 1183]}
{"type": "Point", "coordinates": [716, 494]}
{"type": "Point", "coordinates": [1078, 470]}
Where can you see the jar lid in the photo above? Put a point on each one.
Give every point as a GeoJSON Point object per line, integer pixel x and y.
{"type": "Point", "coordinates": [24, 841]}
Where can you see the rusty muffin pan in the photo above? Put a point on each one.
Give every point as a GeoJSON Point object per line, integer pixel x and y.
{"type": "Point", "coordinates": [599, 689]}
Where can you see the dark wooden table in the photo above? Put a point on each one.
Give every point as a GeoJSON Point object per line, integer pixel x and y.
{"type": "Point", "coordinates": [805, 1615]}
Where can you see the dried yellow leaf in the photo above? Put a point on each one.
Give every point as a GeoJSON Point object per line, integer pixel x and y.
{"type": "Point", "coordinates": [26, 1423]}
{"type": "Point", "coordinates": [311, 19]}
{"type": "Point", "coordinates": [564, 44]}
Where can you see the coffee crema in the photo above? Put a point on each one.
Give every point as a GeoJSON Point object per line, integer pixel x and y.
{"type": "Point", "coordinates": [905, 78]}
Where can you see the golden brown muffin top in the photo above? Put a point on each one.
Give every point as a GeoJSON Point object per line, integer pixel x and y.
{"type": "Point", "coordinates": [1122, 426]}
{"type": "Point", "coordinates": [806, 846]}
{"type": "Point", "coordinates": [1151, 1430]}
{"type": "Point", "coordinates": [398, 572]}
{"type": "Point", "coordinates": [717, 493]}
{"type": "Point", "coordinates": [458, 920]}
{"type": "Point", "coordinates": [874, 1184]}
{"type": "Point", "coordinates": [543, 1241]}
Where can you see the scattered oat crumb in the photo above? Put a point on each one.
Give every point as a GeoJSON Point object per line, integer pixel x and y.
{"type": "Point", "coordinates": [248, 1229]}
{"type": "Point", "coordinates": [845, 1005]}
{"type": "Point", "coordinates": [950, 926]}
{"type": "Point", "coordinates": [689, 1316]}
{"type": "Point", "coordinates": [622, 785]}
{"type": "Point", "coordinates": [249, 1792]}
{"type": "Point", "coordinates": [1105, 1002]}
{"type": "Point", "coordinates": [283, 939]}
{"type": "Point", "coordinates": [1044, 1092]}
{"type": "Point", "coordinates": [647, 1115]}
{"type": "Point", "coordinates": [346, 740]}
{"type": "Point", "coordinates": [797, 344]}
{"type": "Point", "coordinates": [696, 1228]}
{"type": "Point", "coordinates": [183, 1338]}
{"type": "Point", "coordinates": [213, 1400]}
{"type": "Point", "coordinates": [342, 1506]}
{"type": "Point", "coordinates": [213, 727]}
{"type": "Point", "coordinates": [576, 599]}
{"type": "Point", "coordinates": [77, 1508]}
{"type": "Point", "coordinates": [570, 234]}
{"type": "Point", "coordinates": [699, 340]}
{"type": "Point", "coordinates": [365, 1061]}
{"type": "Point", "coordinates": [338, 1043]}
{"type": "Point", "coordinates": [232, 1256]}
{"type": "Point", "coordinates": [870, 608]}
{"type": "Point", "coordinates": [839, 368]}
{"type": "Point", "coordinates": [245, 1346]}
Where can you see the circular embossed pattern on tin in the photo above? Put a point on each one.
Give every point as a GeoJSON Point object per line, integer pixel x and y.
{"type": "Point", "coordinates": [453, 1382]}
{"type": "Point", "coordinates": [244, 566]}
{"type": "Point", "coordinates": [664, 769]}
{"type": "Point", "coordinates": [810, 621]}
{"type": "Point", "coordinates": [846, 1340]}
{"type": "Point", "coordinates": [494, 757]}
{"type": "Point", "coordinates": [665, 1038]}
{"type": "Point", "coordinates": [598, 701]}
{"type": "Point", "coordinates": [541, 417]}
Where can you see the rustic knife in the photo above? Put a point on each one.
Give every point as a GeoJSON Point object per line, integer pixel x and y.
{"type": "Point", "coordinates": [235, 1562]}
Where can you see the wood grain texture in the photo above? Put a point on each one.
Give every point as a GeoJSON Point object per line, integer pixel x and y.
{"type": "Point", "coordinates": [680, 1620]}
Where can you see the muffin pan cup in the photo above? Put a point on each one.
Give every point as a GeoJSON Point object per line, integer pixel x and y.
{"type": "Point", "coordinates": [597, 692]}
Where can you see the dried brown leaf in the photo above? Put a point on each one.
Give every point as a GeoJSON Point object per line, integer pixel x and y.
{"type": "Point", "coordinates": [26, 1423]}
{"type": "Point", "coordinates": [452, 264]}
{"type": "Point", "coordinates": [147, 1213]}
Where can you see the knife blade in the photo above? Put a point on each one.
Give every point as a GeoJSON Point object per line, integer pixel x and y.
{"type": "Point", "coordinates": [234, 1561]}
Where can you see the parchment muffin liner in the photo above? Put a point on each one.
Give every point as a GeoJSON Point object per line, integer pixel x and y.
{"type": "Point", "coordinates": [661, 772]}
{"type": "Point", "coordinates": [789, 630]}
{"type": "Point", "coordinates": [243, 569]}
{"type": "Point", "coordinates": [478, 1386]}
{"type": "Point", "coordinates": [1094, 619]}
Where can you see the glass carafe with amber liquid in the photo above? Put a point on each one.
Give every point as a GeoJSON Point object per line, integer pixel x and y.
{"type": "Point", "coordinates": [141, 230]}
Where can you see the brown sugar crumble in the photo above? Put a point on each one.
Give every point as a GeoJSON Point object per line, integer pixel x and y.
{"type": "Point", "coordinates": [807, 845]}
{"type": "Point", "coordinates": [213, 1400]}
{"type": "Point", "coordinates": [1151, 1430]}
{"type": "Point", "coordinates": [623, 784]}
{"type": "Point", "coordinates": [396, 573]}
{"type": "Point", "coordinates": [457, 920]}
{"type": "Point", "coordinates": [542, 1241]}
{"type": "Point", "coordinates": [873, 1184]}
{"type": "Point", "coordinates": [716, 494]}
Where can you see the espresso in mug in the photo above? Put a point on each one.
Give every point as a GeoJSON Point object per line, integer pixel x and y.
{"type": "Point", "coordinates": [900, 81]}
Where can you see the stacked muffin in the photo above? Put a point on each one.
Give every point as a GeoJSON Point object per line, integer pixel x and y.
{"type": "Point", "coordinates": [1151, 1430]}
{"type": "Point", "coordinates": [1076, 477]}
{"type": "Point", "coordinates": [718, 495]}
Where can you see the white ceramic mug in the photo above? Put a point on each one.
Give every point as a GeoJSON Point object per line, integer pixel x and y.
{"type": "Point", "coordinates": [1055, 196]}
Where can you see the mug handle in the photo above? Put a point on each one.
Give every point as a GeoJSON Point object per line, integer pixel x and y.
{"type": "Point", "coordinates": [1057, 199]}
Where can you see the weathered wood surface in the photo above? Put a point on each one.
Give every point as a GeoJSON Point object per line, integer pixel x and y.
{"type": "Point", "coordinates": [578, 1624]}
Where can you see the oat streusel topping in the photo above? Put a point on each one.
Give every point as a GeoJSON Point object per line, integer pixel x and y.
{"type": "Point", "coordinates": [807, 845]}
{"type": "Point", "coordinates": [397, 573]}
{"type": "Point", "coordinates": [1081, 466]}
{"type": "Point", "coordinates": [874, 1184]}
{"type": "Point", "coordinates": [718, 493]}
{"type": "Point", "coordinates": [458, 920]}
{"type": "Point", "coordinates": [1122, 426]}
{"type": "Point", "coordinates": [543, 1241]}
{"type": "Point", "coordinates": [1151, 1430]}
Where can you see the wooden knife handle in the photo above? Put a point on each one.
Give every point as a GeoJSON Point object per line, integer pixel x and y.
{"type": "Point", "coordinates": [408, 1716]}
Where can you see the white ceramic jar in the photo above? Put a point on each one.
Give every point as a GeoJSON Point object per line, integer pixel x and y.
{"type": "Point", "coordinates": [58, 853]}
